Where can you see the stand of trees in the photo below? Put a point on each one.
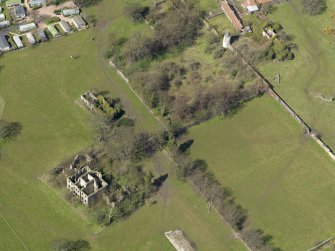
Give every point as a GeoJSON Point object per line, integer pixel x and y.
{"type": "Point", "coordinates": [314, 7]}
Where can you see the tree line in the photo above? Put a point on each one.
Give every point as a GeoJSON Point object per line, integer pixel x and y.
{"type": "Point", "coordinates": [218, 196]}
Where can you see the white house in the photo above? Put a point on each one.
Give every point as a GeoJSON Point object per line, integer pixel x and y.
{"type": "Point", "coordinates": [31, 38]}
{"type": "Point", "coordinates": [27, 27]}
{"type": "Point", "coordinates": [18, 41]}
{"type": "Point", "coordinates": [71, 12]}
{"type": "Point", "coordinates": [36, 3]}
{"type": "Point", "coordinates": [4, 24]}
{"type": "Point", "coordinates": [250, 6]}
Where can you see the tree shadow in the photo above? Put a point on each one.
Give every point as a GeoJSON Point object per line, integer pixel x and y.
{"type": "Point", "coordinates": [9, 130]}
{"type": "Point", "coordinates": [185, 146]}
{"type": "Point", "coordinates": [160, 180]}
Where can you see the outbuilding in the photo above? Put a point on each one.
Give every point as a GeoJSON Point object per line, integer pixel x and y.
{"type": "Point", "coordinates": [65, 26]}
{"type": "Point", "coordinates": [31, 38]}
{"type": "Point", "coordinates": [27, 27]}
{"type": "Point", "coordinates": [79, 22]}
{"type": "Point", "coordinates": [4, 45]}
{"type": "Point", "coordinates": [18, 42]}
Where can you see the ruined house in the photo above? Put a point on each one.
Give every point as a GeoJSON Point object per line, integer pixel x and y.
{"type": "Point", "coordinates": [86, 184]}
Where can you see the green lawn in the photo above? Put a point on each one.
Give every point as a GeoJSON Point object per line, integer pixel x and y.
{"type": "Point", "coordinates": [284, 180]}
{"type": "Point", "coordinates": [208, 5]}
{"type": "Point", "coordinates": [311, 72]}
{"type": "Point", "coordinates": [40, 86]}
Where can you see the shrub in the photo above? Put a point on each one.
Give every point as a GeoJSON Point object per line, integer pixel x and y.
{"type": "Point", "coordinates": [136, 12]}
{"type": "Point", "coordinates": [69, 245]}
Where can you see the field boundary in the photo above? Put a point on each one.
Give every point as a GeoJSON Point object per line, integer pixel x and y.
{"type": "Point", "coordinates": [286, 106]}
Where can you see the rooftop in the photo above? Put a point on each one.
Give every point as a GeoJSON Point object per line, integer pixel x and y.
{"type": "Point", "coordinates": [231, 15]}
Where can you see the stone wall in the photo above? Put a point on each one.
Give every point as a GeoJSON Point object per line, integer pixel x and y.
{"type": "Point", "coordinates": [118, 71]}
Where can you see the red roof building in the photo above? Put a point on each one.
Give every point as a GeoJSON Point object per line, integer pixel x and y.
{"type": "Point", "coordinates": [231, 15]}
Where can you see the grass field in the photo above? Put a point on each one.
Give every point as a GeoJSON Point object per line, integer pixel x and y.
{"type": "Point", "coordinates": [40, 86]}
{"type": "Point", "coordinates": [280, 176]}
{"type": "Point", "coordinates": [311, 72]}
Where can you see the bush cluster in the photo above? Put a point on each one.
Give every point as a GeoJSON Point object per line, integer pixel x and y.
{"type": "Point", "coordinates": [314, 7]}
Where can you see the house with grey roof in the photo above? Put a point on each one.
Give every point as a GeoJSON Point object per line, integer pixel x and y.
{"type": "Point", "coordinates": [65, 26]}
{"type": "Point", "coordinates": [37, 3]}
{"type": "Point", "coordinates": [42, 35]}
{"type": "Point", "coordinates": [79, 22]}
{"type": "Point", "coordinates": [4, 45]}
{"type": "Point", "coordinates": [71, 12]}
{"type": "Point", "coordinates": [19, 12]}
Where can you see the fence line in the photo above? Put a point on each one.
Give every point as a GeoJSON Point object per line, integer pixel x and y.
{"type": "Point", "coordinates": [321, 245]}
{"type": "Point", "coordinates": [286, 107]}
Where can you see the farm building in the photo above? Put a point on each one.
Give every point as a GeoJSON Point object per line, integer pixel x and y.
{"type": "Point", "coordinates": [31, 38]}
{"type": "Point", "coordinates": [18, 42]}
{"type": "Point", "coordinates": [54, 32]}
{"type": "Point", "coordinates": [27, 27]}
{"type": "Point", "coordinates": [250, 6]}
{"type": "Point", "coordinates": [11, 3]}
{"type": "Point", "coordinates": [79, 22]}
{"type": "Point", "coordinates": [19, 12]}
{"type": "Point", "coordinates": [231, 15]}
{"type": "Point", "coordinates": [4, 46]}
{"type": "Point", "coordinates": [65, 26]}
{"type": "Point", "coordinates": [36, 3]}
{"type": "Point", "coordinates": [2, 17]}
{"type": "Point", "coordinates": [42, 35]}
{"type": "Point", "coordinates": [4, 23]}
